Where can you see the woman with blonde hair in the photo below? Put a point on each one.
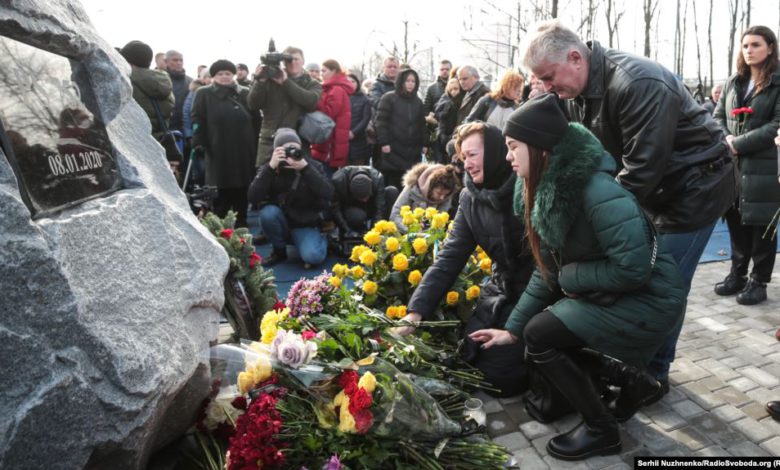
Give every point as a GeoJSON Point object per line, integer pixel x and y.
{"type": "Point", "coordinates": [496, 107]}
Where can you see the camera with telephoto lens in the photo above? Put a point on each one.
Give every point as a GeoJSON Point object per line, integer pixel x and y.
{"type": "Point", "coordinates": [272, 60]}
{"type": "Point", "coordinates": [293, 152]}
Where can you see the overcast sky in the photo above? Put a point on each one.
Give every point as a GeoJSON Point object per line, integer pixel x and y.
{"type": "Point", "coordinates": [348, 30]}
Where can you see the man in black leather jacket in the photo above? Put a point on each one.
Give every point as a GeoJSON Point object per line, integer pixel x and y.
{"type": "Point", "coordinates": [670, 153]}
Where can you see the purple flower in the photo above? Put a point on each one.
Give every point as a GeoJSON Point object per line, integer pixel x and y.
{"type": "Point", "coordinates": [290, 349]}
{"type": "Point", "coordinates": [333, 464]}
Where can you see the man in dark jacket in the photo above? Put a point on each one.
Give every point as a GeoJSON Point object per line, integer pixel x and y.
{"type": "Point", "coordinates": [436, 89]}
{"type": "Point", "coordinates": [150, 87]}
{"type": "Point", "coordinates": [385, 81]}
{"type": "Point", "coordinates": [472, 88]}
{"type": "Point", "coordinates": [292, 190]}
{"type": "Point", "coordinates": [711, 102]}
{"type": "Point", "coordinates": [174, 62]}
{"type": "Point", "coordinates": [484, 218]}
{"type": "Point", "coordinates": [359, 200]}
{"type": "Point", "coordinates": [282, 99]}
{"type": "Point", "coordinates": [670, 153]}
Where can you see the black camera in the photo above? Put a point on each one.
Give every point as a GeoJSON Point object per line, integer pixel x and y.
{"type": "Point", "coordinates": [271, 61]}
{"type": "Point", "coordinates": [291, 151]}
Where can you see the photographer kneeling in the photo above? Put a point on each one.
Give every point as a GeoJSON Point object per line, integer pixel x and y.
{"type": "Point", "coordinates": [292, 190]}
{"type": "Point", "coordinates": [360, 200]}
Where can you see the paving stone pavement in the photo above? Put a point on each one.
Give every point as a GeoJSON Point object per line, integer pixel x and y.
{"type": "Point", "coordinates": [727, 368]}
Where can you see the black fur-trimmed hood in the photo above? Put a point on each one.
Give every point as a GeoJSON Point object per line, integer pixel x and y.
{"type": "Point", "coordinates": [573, 162]}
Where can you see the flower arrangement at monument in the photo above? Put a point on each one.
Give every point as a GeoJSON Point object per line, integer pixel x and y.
{"type": "Point", "coordinates": [249, 289]}
{"type": "Point", "coordinates": [390, 265]}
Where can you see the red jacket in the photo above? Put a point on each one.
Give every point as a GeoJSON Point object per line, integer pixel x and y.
{"type": "Point", "coordinates": [335, 103]}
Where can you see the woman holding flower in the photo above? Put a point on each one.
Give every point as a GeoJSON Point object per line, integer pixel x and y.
{"type": "Point", "coordinates": [749, 113]}
{"type": "Point", "coordinates": [485, 219]}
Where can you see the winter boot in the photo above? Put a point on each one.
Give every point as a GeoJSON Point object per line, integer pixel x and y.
{"type": "Point", "coordinates": [598, 434]}
{"type": "Point", "coordinates": [637, 387]}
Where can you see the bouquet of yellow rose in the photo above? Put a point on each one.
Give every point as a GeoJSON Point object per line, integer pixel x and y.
{"type": "Point", "coordinates": [390, 266]}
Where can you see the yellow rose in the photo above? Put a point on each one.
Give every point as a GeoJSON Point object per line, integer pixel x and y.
{"type": "Point", "coordinates": [370, 287]}
{"type": "Point", "coordinates": [245, 382]}
{"type": "Point", "coordinates": [440, 220]}
{"type": "Point", "coordinates": [392, 244]}
{"type": "Point", "coordinates": [357, 272]}
{"type": "Point", "coordinates": [268, 326]}
{"type": "Point", "coordinates": [452, 297]}
{"type": "Point", "coordinates": [401, 311]}
{"type": "Point", "coordinates": [268, 334]}
{"type": "Point", "coordinates": [406, 210]}
{"type": "Point", "coordinates": [400, 263]}
{"type": "Point", "coordinates": [415, 277]}
{"type": "Point", "coordinates": [430, 212]}
{"type": "Point", "coordinates": [481, 255]}
{"type": "Point", "coordinates": [408, 219]}
{"type": "Point", "coordinates": [367, 382]}
{"type": "Point", "coordinates": [356, 252]}
{"type": "Point", "coordinates": [485, 264]}
{"type": "Point", "coordinates": [420, 245]}
{"type": "Point", "coordinates": [260, 369]}
{"type": "Point", "coordinates": [391, 312]}
{"type": "Point", "coordinates": [372, 238]}
{"type": "Point", "coordinates": [419, 212]}
{"type": "Point", "coordinates": [451, 224]}
{"type": "Point", "coordinates": [472, 292]}
{"type": "Point", "coordinates": [335, 281]}
{"type": "Point", "coordinates": [368, 258]}
{"type": "Point", "coordinates": [346, 420]}
{"type": "Point", "coordinates": [390, 227]}
{"type": "Point", "coordinates": [340, 270]}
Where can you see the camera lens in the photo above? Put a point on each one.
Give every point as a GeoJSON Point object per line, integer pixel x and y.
{"type": "Point", "coordinates": [293, 152]}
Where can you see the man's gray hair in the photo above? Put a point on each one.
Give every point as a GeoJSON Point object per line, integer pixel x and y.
{"type": "Point", "coordinates": [390, 58]}
{"type": "Point", "coordinates": [471, 70]}
{"type": "Point", "coordinates": [170, 54]}
{"type": "Point", "coordinates": [551, 42]}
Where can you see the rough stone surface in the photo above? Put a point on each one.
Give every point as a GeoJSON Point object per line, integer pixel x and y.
{"type": "Point", "coordinates": [106, 307]}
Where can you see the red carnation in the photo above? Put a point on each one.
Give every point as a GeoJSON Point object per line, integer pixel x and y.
{"type": "Point", "coordinates": [254, 259]}
{"type": "Point", "coordinates": [360, 400]}
{"type": "Point", "coordinates": [279, 305]}
{"type": "Point", "coordinates": [308, 334]}
{"type": "Point", "coordinates": [227, 233]}
{"type": "Point", "coordinates": [364, 419]}
{"type": "Point", "coordinates": [239, 403]}
{"type": "Point", "coordinates": [348, 377]}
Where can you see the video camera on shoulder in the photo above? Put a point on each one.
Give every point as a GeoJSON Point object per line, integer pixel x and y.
{"type": "Point", "coordinates": [272, 61]}
{"type": "Point", "coordinates": [202, 198]}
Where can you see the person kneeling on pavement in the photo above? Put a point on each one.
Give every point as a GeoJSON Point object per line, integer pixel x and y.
{"type": "Point", "coordinates": [360, 199]}
{"type": "Point", "coordinates": [484, 218]}
{"type": "Point", "coordinates": [292, 190]}
{"type": "Point", "coordinates": [604, 280]}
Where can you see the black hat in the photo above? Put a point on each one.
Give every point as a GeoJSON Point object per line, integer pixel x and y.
{"type": "Point", "coordinates": [242, 67]}
{"type": "Point", "coordinates": [285, 135]}
{"type": "Point", "coordinates": [137, 53]}
{"type": "Point", "coordinates": [539, 122]}
{"type": "Point", "coordinates": [220, 65]}
{"type": "Point", "coordinates": [361, 186]}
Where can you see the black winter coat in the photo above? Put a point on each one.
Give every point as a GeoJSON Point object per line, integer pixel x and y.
{"type": "Point", "coordinates": [382, 85]}
{"type": "Point", "coordinates": [446, 112]}
{"type": "Point", "coordinates": [470, 100]}
{"type": "Point", "coordinates": [361, 115]}
{"type": "Point", "coordinates": [375, 207]}
{"type": "Point", "coordinates": [400, 123]}
{"type": "Point", "coordinates": [759, 192]}
{"type": "Point", "coordinates": [670, 153]}
{"type": "Point", "coordinates": [301, 195]}
{"type": "Point", "coordinates": [433, 93]}
{"type": "Point", "coordinates": [181, 87]}
{"type": "Point", "coordinates": [226, 134]}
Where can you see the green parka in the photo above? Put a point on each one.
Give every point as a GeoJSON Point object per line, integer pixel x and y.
{"type": "Point", "coordinates": [149, 85]}
{"type": "Point", "coordinates": [596, 239]}
{"type": "Point", "coordinates": [759, 195]}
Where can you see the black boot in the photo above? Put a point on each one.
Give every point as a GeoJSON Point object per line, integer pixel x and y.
{"type": "Point", "coordinates": [733, 284]}
{"type": "Point", "coordinates": [753, 293]}
{"type": "Point", "coordinates": [599, 433]}
{"type": "Point", "coordinates": [276, 257]}
{"type": "Point", "coordinates": [637, 387]}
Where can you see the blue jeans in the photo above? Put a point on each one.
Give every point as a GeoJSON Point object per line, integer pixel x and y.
{"type": "Point", "coordinates": [687, 249]}
{"type": "Point", "coordinates": [311, 245]}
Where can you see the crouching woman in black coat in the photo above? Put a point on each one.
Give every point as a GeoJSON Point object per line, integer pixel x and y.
{"type": "Point", "coordinates": [484, 218]}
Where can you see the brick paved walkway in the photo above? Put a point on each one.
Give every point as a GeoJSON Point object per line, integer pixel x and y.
{"type": "Point", "coordinates": [727, 368]}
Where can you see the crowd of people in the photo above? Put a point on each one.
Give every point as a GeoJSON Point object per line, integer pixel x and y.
{"type": "Point", "coordinates": [593, 185]}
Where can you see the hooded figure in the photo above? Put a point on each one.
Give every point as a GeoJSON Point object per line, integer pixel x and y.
{"type": "Point", "coordinates": [427, 185]}
{"type": "Point", "coordinates": [484, 218]}
{"type": "Point", "coordinates": [400, 128]}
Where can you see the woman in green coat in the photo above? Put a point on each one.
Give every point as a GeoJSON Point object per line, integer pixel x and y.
{"type": "Point", "coordinates": [749, 113]}
{"type": "Point", "coordinates": [602, 282]}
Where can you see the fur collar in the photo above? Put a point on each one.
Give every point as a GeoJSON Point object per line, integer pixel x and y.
{"type": "Point", "coordinates": [559, 195]}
